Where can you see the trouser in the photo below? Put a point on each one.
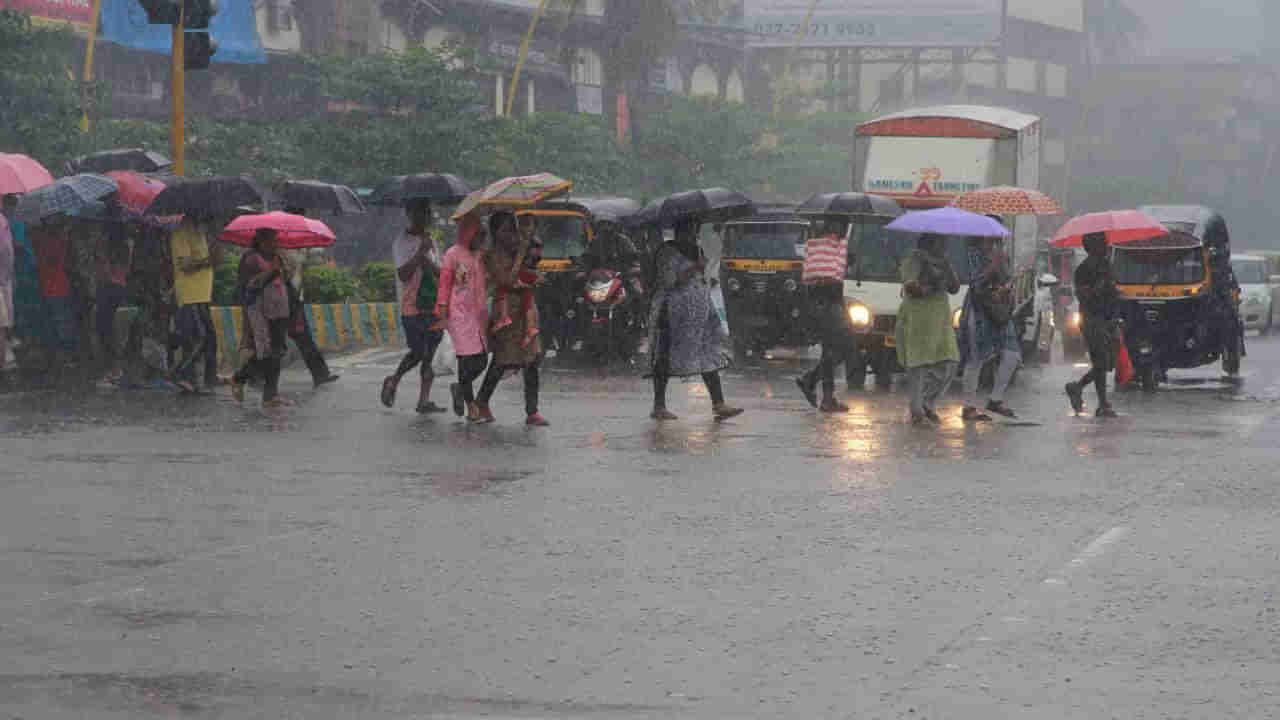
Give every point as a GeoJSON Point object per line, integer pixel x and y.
{"type": "Point", "coordinates": [268, 369]}
{"type": "Point", "coordinates": [300, 333]}
{"type": "Point", "coordinates": [199, 340]}
{"type": "Point", "coordinates": [470, 367]}
{"type": "Point", "coordinates": [830, 297]}
{"type": "Point", "coordinates": [1009, 360]}
{"type": "Point", "coordinates": [110, 298]}
{"type": "Point", "coordinates": [710, 379]}
{"type": "Point", "coordinates": [532, 384]}
{"type": "Point", "coordinates": [928, 383]}
{"type": "Point", "coordinates": [825, 370]}
{"type": "Point", "coordinates": [422, 343]}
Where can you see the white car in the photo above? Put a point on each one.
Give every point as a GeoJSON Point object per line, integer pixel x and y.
{"type": "Point", "coordinates": [1256, 299]}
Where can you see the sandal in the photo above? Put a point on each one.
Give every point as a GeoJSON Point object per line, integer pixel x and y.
{"type": "Point", "coordinates": [1075, 394]}
{"type": "Point", "coordinates": [831, 405]}
{"type": "Point", "coordinates": [1000, 408]}
{"type": "Point", "coordinates": [482, 415]}
{"type": "Point", "coordinates": [661, 414]}
{"type": "Point", "coordinates": [810, 393]}
{"type": "Point", "coordinates": [429, 408]}
{"type": "Point", "coordinates": [459, 403]}
{"type": "Point", "coordinates": [724, 412]}
{"type": "Point", "coordinates": [536, 420]}
{"type": "Point", "coordinates": [973, 414]}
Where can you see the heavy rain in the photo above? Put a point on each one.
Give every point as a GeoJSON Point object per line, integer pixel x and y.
{"type": "Point", "coordinates": [639, 359]}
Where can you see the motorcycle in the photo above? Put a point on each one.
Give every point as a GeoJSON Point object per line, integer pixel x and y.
{"type": "Point", "coordinates": [613, 314]}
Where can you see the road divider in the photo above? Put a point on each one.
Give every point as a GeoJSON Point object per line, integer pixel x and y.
{"type": "Point", "coordinates": [339, 327]}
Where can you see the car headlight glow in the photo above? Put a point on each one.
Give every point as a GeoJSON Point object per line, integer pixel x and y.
{"type": "Point", "coordinates": [955, 318]}
{"type": "Point", "coordinates": [859, 315]}
{"type": "Point", "coordinates": [789, 285]}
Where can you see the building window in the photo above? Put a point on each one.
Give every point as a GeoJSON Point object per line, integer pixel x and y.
{"type": "Point", "coordinates": [733, 90]}
{"type": "Point", "coordinates": [1021, 75]}
{"type": "Point", "coordinates": [704, 82]}
{"type": "Point", "coordinates": [588, 70]}
{"type": "Point", "coordinates": [1055, 80]}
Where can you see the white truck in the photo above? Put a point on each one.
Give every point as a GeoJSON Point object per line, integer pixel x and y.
{"type": "Point", "coordinates": [924, 158]}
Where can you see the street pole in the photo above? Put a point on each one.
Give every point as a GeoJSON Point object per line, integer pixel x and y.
{"type": "Point", "coordinates": [87, 77]}
{"type": "Point", "coordinates": [178, 100]}
{"type": "Point", "coordinates": [524, 52]}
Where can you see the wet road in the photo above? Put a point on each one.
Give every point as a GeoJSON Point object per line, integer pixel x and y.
{"type": "Point", "coordinates": [186, 557]}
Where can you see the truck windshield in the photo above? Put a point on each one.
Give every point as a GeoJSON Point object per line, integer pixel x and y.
{"type": "Point", "coordinates": [878, 254]}
{"type": "Point", "coordinates": [1250, 272]}
{"type": "Point", "coordinates": [1165, 266]}
{"type": "Point", "coordinates": [563, 236]}
{"type": "Point", "coordinates": [764, 240]}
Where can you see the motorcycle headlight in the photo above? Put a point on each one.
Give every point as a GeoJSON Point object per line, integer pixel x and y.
{"type": "Point", "coordinates": [571, 314]}
{"type": "Point", "coordinates": [955, 318]}
{"type": "Point", "coordinates": [790, 285]}
{"type": "Point", "coordinates": [859, 315]}
{"type": "Point", "coordinates": [598, 293]}
{"type": "Point", "coordinates": [1073, 320]}
{"type": "Point", "coordinates": [734, 284]}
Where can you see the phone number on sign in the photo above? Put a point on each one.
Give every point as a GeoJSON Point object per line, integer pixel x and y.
{"type": "Point", "coordinates": [854, 29]}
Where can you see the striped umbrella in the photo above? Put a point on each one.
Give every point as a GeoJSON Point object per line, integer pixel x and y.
{"type": "Point", "coordinates": [72, 195]}
{"type": "Point", "coordinates": [1007, 201]}
{"type": "Point", "coordinates": [514, 192]}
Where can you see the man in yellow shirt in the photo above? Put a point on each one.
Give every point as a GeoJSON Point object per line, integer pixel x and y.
{"type": "Point", "coordinates": [193, 288]}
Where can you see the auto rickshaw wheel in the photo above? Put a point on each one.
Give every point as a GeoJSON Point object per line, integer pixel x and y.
{"type": "Point", "coordinates": [1148, 379]}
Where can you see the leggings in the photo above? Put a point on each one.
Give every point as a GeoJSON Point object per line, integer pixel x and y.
{"type": "Point", "coordinates": [711, 379]}
{"type": "Point", "coordinates": [1099, 380]}
{"type": "Point", "coordinates": [268, 368]}
{"type": "Point", "coordinates": [532, 383]}
{"type": "Point", "coordinates": [470, 367]}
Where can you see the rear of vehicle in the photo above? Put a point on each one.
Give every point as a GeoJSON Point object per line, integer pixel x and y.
{"type": "Point", "coordinates": [760, 269]}
{"type": "Point", "coordinates": [1251, 273]}
{"type": "Point", "coordinates": [565, 235]}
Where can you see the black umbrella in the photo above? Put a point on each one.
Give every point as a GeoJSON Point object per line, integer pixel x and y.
{"type": "Point", "coordinates": [315, 195]}
{"type": "Point", "coordinates": [439, 188]}
{"type": "Point", "coordinates": [703, 206]}
{"type": "Point", "coordinates": [207, 197]}
{"type": "Point", "coordinates": [135, 159]}
{"type": "Point", "coordinates": [850, 204]}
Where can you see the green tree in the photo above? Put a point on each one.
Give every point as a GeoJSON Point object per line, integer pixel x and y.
{"type": "Point", "coordinates": [40, 101]}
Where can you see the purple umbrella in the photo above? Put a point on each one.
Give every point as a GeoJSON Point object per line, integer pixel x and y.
{"type": "Point", "coordinates": [949, 221]}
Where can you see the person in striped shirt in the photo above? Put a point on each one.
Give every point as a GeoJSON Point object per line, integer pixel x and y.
{"type": "Point", "coordinates": [826, 296]}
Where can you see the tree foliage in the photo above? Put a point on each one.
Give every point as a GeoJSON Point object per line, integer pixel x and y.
{"type": "Point", "coordinates": [40, 100]}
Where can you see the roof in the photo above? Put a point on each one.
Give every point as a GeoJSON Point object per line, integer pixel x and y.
{"type": "Point", "coordinates": [1196, 216]}
{"type": "Point", "coordinates": [960, 120]}
{"type": "Point", "coordinates": [604, 209]}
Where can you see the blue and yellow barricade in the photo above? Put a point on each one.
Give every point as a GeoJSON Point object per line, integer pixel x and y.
{"type": "Point", "coordinates": [334, 327]}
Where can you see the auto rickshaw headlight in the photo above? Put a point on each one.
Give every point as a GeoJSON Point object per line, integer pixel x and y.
{"type": "Point", "coordinates": [734, 284]}
{"type": "Point", "coordinates": [859, 315]}
{"type": "Point", "coordinates": [955, 318]}
{"type": "Point", "coordinates": [790, 285]}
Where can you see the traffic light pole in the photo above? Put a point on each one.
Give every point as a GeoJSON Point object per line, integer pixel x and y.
{"type": "Point", "coordinates": [178, 100]}
{"type": "Point", "coordinates": [91, 42]}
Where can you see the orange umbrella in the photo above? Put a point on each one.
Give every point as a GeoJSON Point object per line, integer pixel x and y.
{"type": "Point", "coordinates": [1120, 227]}
{"type": "Point", "coordinates": [1006, 200]}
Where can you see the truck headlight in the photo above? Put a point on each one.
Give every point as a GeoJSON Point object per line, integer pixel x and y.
{"type": "Point", "coordinates": [955, 318]}
{"type": "Point", "coordinates": [859, 315]}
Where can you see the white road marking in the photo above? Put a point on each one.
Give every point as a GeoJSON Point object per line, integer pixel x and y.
{"type": "Point", "coordinates": [1091, 552]}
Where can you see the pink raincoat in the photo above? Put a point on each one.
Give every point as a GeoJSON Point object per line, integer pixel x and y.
{"type": "Point", "coordinates": [464, 292]}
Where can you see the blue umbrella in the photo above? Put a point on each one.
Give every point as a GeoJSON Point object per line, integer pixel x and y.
{"type": "Point", "coordinates": [949, 221]}
{"type": "Point", "coordinates": [69, 195]}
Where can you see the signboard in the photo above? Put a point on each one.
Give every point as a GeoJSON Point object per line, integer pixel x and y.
{"type": "Point", "coordinates": [879, 23]}
{"type": "Point", "coordinates": [76, 12]}
{"type": "Point", "coordinates": [931, 169]}
{"type": "Point", "coordinates": [543, 56]}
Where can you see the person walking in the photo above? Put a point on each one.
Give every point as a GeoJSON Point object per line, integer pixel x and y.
{"type": "Point", "coordinates": [193, 286]}
{"type": "Point", "coordinates": [417, 264]}
{"type": "Point", "coordinates": [516, 345]}
{"type": "Point", "coordinates": [925, 339]}
{"type": "Point", "coordinates": [265, 300]}
{"type": "Point", "coordinates": [826, 257]}
{"type": "Point", "coordinates": [52, 244]}
{"type": "Point", "coordinates": [114, 257]}
{"type": "Point", "coordinates": [685, 334]}
{"type": "Point", "coordinates": [987, 330]}
{"type": "Point", "coordinates": [299, 324]}
{"type": "Point", "coordinates": [6, 281]}
{"type": "Point", "coordinates": [462, 306]}
{"type": "Point", "coordinates": [1097, 294]}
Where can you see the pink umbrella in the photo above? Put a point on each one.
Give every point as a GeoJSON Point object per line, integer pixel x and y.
{"type": "Point", "coordinates": [293, 232]}
{"type": "Point", "coordinates": [21, 174]}
{"type": "Point", "coordinates": [1120, 227]}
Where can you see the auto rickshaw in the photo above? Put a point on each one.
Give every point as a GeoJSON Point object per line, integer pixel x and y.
{"type": "Point", "coordinates": [1179, 310]}
{"type": "Point", "coordinates": [760, 268]}
{"type": "Point", "coordinates": [579, 235]}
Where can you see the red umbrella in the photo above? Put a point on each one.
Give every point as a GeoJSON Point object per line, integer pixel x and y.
{"type": "Point", "coordinates": [135, 193]}
{"type": "Point", "coordinates": [1120, 226]}
{"type": "Point", "coordinates": [21, 174]}
{"type": "Point", "coordinates": [293, 232]}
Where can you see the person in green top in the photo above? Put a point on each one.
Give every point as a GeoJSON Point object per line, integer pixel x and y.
{"type": "Point", "coordinates": [925, 338]}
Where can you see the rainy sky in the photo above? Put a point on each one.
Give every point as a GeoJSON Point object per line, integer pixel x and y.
{"type": "Point", "coordinates": [1201, 25]}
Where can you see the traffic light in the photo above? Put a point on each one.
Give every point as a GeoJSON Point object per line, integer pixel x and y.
{"type": "Point", "coordinates": [162, 12]}
{"type": "Point", "coordinates": [197, 50]}
{"type": "Point", "coordinates": [198, 13]}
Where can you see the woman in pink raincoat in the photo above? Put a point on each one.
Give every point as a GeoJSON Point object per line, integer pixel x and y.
{"type": "Point", "coordinates": [463, 307]}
